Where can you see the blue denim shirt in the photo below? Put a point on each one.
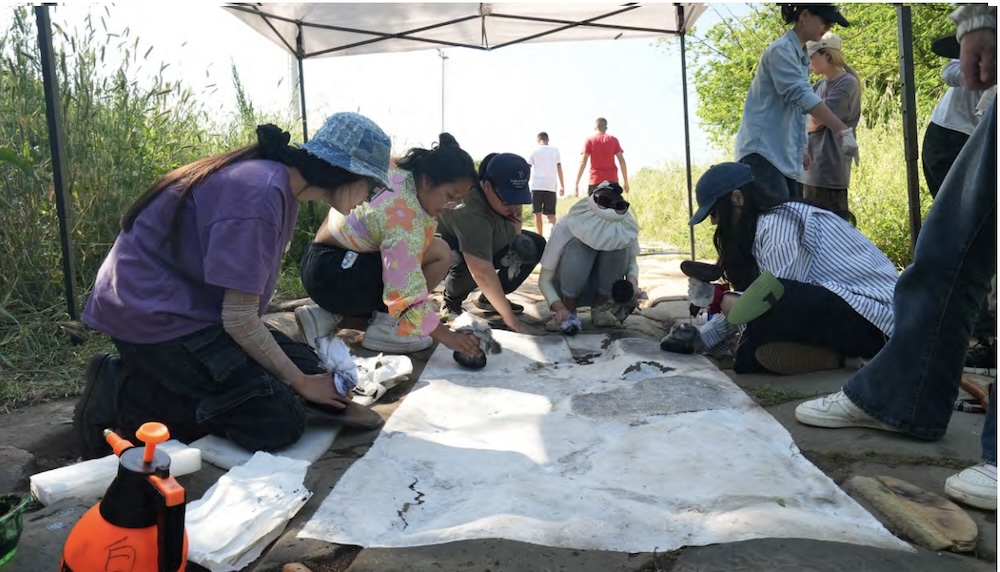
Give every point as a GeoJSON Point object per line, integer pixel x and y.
{"type": "Point", "coordinates": [774, 115]}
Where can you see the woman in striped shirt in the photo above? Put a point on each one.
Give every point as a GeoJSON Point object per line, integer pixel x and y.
{"type": "Point", "coordinates": [838, 286]}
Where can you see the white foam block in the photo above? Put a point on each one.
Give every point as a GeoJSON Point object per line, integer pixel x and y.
{"type": "Point", "coordinates": [89, 479]}
{"type": "Point", "coordinates": [225, 454]}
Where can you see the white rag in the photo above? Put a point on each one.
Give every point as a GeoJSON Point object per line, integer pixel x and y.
{"type": "Point", "coordinates": [336, 359]}
{"type": "Point", "coordinates": [245, 511]}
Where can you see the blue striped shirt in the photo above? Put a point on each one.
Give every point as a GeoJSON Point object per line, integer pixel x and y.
{"type": "Point", "coordinates": [800, 242]}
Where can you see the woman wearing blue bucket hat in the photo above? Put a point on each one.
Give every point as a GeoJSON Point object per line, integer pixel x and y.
{"type": "Point", "coordinates": [381, 259]}
{"type": "Point", "coordinates": [192, 270]}
{"type": "Point", "coordinates": [814, 289]}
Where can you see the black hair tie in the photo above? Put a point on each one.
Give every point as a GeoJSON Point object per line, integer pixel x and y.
{"type": "Point", "coordinates": [273, 141]}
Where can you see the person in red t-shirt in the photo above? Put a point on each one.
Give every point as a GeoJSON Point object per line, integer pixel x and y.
{"type": "Point", "coordinates": [602, 149]}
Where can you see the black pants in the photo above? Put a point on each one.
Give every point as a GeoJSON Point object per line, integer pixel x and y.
{"type": "Point", "coordinates": [940, 148]}
{"type": "Point", "coordinates": [459, 283]}
{"type": "Point", "coordinates": [808, 314]}
{"type": "Point", "coordinates": [774, 186]}
{"type": "Point", "coordinates": [204, 383]}
{"type": "Point", "coordinates": [352, 291]}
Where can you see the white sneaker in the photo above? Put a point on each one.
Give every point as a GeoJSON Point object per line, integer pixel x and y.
{"type": "Point", "coordinates": [835, 412]}
{"type": "Point", "coordinates": [602, 317]}
{"type": "Point", "coordinates": [381, 336]}
{"type": "Point", "coordinates": [315, 323]}
{"type": "Point", "coordinates": [975, 486]}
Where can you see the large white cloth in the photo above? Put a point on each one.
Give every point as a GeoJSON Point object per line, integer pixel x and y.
{"type": "Point", "coordinates": [603, 445]}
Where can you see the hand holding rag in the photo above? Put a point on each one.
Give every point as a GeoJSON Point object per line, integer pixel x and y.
{"type": "Point", "coordinates": [336, 359]}
{"type": "Point", "coordinates": [469, 324]}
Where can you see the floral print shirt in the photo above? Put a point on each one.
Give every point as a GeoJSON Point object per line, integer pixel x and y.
{"type": "Point", "coordinates": [395, 224]}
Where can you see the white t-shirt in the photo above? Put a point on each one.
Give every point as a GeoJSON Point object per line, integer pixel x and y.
{"type": "Point", "coordinates": [543, 169]}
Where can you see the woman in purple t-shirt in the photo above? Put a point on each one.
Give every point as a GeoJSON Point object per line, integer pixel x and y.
{"type": "Point", "coordinates": [192, 270]}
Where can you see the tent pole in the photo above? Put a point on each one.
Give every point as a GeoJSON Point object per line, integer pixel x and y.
{"type": "Point", "coordinates": [53, 114]}
{"type": "Point", "coordinates": [904, 24]}
{"type": "Point", "coordinates": [300, 55]}
{"type": "Point", "coordinates": [687, 129]}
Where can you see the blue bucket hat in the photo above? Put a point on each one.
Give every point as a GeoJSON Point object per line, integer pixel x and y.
{"type": "Point", "coordinates": [354, 143]}
{"type": "Point", "coordinates": [718, 182]}
{"type": "Point", "coordinates": [509, 174]}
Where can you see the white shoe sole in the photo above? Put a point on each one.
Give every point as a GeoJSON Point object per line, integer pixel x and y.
{"type": "Point", "coordinates": [985, 503]}
{"type": "Point", "coordinates": [386, 346]}
{"type": "Point", "coordinates": [821, 419]}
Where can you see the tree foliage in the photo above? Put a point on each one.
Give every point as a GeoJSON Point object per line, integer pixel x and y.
{"type": "Point", "coordinates": [726, 55]}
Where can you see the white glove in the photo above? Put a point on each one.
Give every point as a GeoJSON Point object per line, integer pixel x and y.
{"type": "Point", "coordinates": [700, 293]}
{"type": "Point", "coordinates": [849, 145]}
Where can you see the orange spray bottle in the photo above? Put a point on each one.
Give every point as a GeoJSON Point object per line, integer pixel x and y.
{"type": "Point", "coordinates": [139, 524]}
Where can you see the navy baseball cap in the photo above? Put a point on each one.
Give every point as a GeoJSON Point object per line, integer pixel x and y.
{"type": "Point", "coordinates": [509, 174]}
{"type": "Point", "coordinates": [718, 182]}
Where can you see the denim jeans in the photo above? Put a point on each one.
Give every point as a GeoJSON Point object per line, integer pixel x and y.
{"type": "Point", "coordinates": [912, 383]}
{"type": "Point", "coordinates": [586, 274]}
{"type": "Point", "coordinates": [204, 383]}
{"type": "Point", "coordinates": [773, 185]}
{"type": "Point", "coordinates": [459, 283]}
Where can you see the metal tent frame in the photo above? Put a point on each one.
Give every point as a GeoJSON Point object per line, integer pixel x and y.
{"type": "Point", "coordinates": [538, 22]}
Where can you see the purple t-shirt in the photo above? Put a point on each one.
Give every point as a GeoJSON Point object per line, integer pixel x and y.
{"type": "Point", "coordinates": [233, 231]}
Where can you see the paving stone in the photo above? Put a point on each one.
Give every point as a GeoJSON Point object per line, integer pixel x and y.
{"type": "Point", "coordinates": [493, 556]}
{"type": "Point", "coordinates": [16, 465]}
{"type": "Point", "coordinates": [45, 533]}
{"type": "Point", "coordinates": [799, 555]}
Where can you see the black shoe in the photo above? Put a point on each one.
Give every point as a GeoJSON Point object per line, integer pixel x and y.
{"type": "Point", "coordinates": [981, 358]}
{"type": "Point", "coordinates": [97, 409]}
{"type": "Point", "coordinates": [450, 311]}
{"type": "Point", "coordinates": [682, 339]}
{"type": "Point", "coordinates": [483, 304]}
{"type": "Point", "coordinates": [701, 271]}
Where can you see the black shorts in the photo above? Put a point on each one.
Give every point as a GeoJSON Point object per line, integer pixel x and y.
{"type": "Point", "coordinates": [352, 291]}
{"type": "Point", "coordinates": [543, 202]}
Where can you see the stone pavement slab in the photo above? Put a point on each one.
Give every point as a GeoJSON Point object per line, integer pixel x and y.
{"type": "Point", "coordinates": [794, 555]}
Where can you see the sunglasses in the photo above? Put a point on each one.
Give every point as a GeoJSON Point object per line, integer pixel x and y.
{"type": "Point", "coordinates": [620, 206]}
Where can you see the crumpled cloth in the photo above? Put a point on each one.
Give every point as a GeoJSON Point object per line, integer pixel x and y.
{"type": "Point", "coordinates": [246, 510]}
{"type": "Point", "coordinates": [469, 324]}
{"type": "Point", "coordinates": [700, 293]}
{"type": "Point", "coordinates": [571, 325]}
{"type": "Point", "coordinates": [336, 359]}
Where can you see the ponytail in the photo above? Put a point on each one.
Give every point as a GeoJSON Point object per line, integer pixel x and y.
{"type": "Point", "coordinates": [445, 162]}
{"type": "Point", "coordinates": [790, 12]}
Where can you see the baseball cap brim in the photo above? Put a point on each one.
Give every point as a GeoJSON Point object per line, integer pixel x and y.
{"type": "Point", "coordinates": [947, 47]}
{"type": "Point", "coordinates": [515, 196]}
{"type": "Point", "coordinates": [829, 12]}
{"type": "Point", "coordinates": [701, 214]}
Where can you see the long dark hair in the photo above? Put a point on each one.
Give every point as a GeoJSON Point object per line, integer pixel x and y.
{"type": "Point", "coordinates": [272, 144]}
{"type": "Point", "coordinates": [444, 162]}
{"type": "Point", "coordinates": [734, 242]}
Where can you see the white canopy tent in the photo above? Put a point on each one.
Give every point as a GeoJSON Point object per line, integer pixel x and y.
{"type": "Point", "coordinates": [310, 30]}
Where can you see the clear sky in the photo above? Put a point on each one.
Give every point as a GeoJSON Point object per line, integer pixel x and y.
{"type": "Point", "coordinates": [494, 101]}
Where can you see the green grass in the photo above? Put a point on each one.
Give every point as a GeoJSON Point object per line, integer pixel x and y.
{"type": "Point", "coordinates": [122, 134]}
{"type": "Point", "coordinates": [767, 396]}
